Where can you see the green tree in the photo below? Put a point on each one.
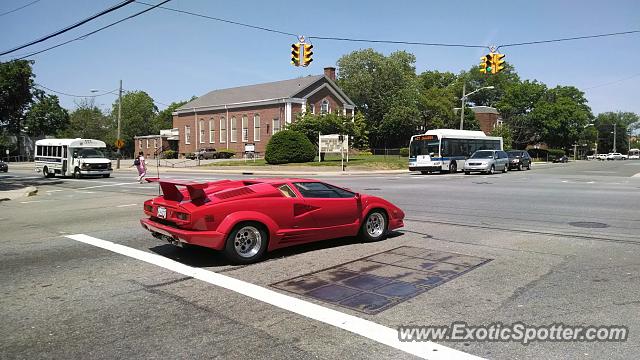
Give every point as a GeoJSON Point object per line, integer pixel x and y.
{"type": "Point", "coordinates": [138, 117]}
{"type": "Point", "coordinates": [624, 121]}
{"type": "Point", "coordinates": [46, 116]}
{"type": "Point", "coordinates": [88, 122]}
{"type": "Point", "coordinates": [505, 132]}
{"type": "Point", "coordinates": [516, 106]}
{"type": "Point", "coordinates": [437, 99]}
{"type": "Point", "coordinates": [474, 80]}
{"type": "Point", "coordinates": [384, 88]}
{"type": "Point", "coordinates": [16, 94]}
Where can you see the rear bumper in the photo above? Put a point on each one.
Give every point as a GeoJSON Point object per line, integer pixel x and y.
{"type": "Point", "coordinates": [210, 239]}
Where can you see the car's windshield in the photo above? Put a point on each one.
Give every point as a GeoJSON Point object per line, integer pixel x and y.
{"type": "Point", "coordinates": [515, 154]}
{"type": "Point", "coordinates": [90, 153]}
{"type": "Point", "coordinates": [482, 155]}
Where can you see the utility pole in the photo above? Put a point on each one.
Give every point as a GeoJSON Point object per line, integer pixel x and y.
{"type": "Point", "coordinates": [119, 116]}
{"type": "Point", "coordinates": [464, 88]}
{"type": "Point", "coordinates": [614, 137]}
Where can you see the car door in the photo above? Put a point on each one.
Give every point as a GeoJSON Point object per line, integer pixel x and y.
{"type": "Point", "coordinates": [335, 210]}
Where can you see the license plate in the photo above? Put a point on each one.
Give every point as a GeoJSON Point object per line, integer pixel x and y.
{"type": "Point", "coordinates": [162, 212]}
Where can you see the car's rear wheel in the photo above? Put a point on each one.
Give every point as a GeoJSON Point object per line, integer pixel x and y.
{"type": "Point", "coordinates": [247, 243]}
{"type": "Point", "coordinates": [506, 168]}
{"type": "Point", "coordinates": [467, 172]}
{"type": "Point", "coordinates": [374, 226]}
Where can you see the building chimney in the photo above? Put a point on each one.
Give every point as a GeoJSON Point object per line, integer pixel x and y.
{"type": "Point", "coordinates": [330, 72]}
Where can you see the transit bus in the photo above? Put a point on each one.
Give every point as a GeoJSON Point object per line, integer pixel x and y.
{"type": "Point", "coordinates": [71, 157]}
{"type": "Point", "coordinates": [633, 154]}
{"type": "Point", "coordinates": [447, 149]}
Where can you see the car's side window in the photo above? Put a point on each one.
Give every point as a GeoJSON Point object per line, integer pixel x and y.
{"type": "Point", "coordinates": [286, 191]}
{"type": "Point", "coordinates": [321, 190]}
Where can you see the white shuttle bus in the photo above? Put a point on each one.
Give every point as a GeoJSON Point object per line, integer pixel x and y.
{"type": "Point", "coordinates": [447, 149]}
{"type": "Point", "coordinates": [72, 157]}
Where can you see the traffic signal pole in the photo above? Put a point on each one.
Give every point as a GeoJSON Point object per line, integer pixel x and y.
{"type": "Point", "coordinates": [464, 88]}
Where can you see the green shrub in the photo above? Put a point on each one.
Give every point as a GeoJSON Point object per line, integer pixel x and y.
{"type": "Point", "coordinates": [365, 153]}
{"type": "Point", "coordinates": [225, 154]}
{"type": "Point", "coordinates": [190, 155]}
{"type": "Point", "coordinates": [288, 146]}
{"type": "Point", "coordinates": [404, 152]}
{"type": "Point", "coordinates": [169, 154]}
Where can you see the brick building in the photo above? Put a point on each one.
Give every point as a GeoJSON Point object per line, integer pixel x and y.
{"type": "Point", "coordinates": [232, 118]}
{"type": "Point", "coordinates": [152, 145]}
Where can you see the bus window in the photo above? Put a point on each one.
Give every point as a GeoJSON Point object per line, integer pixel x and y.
{"type": "Point", "coordinates": [446, 148]}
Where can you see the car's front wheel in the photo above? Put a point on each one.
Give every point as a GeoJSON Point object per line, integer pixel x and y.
{"type": "Point", "coordinates": [374, 226]}
{"type": "Point", "coordinates": [247, 243]}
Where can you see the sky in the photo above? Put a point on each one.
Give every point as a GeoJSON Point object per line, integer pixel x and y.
{"type": "Point", "coordinates": [173, 56]}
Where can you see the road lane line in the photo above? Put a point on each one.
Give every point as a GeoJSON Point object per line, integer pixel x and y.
{"type": "Point", "coordinates": [126, 205]}
{"type": "Point", "coordinates": [52, 191]}
{"type": "Point", "coordinates": [32, 201]}
{"type": "Point", "coordinates": [353, 324]}
{"type": "Point", "coordinates": [99, 186]}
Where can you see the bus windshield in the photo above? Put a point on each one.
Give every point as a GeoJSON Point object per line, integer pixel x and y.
{"type": "Point", "coordinates": [90, 153]}
{"type": "Point", "coordinates": [424, 147]}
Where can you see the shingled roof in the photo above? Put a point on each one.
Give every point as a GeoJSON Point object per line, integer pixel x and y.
{"type": "Point", "coordinates": [266, 91]}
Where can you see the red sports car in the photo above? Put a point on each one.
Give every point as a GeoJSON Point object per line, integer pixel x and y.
{"type": "Point", "coordinates": [246, 218]}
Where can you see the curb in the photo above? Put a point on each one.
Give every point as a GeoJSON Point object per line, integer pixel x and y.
{"type": "Point", "coordinates": [16, 194]}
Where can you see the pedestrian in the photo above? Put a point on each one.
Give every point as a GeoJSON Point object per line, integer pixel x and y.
{"type": "Point", "coordinates": [141, 165]}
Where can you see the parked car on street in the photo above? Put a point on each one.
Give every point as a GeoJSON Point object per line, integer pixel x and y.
{"type": "Point", "coordinates": [3, 166]}
{"type": "Point", "coordinates": [519, 159]}
{"type": "Point", "coordinates": [615, 156]}
{"type": "Point", "coordinates": [601, 157]}
{"type": "Point", "coordinates": [634, 154]}
{"type": "Point", "coordinates": [487, 161]}
{"type": "Point", "coordinates": [246, 218]}
{"type": "Point", "coordinates": [561, 159]}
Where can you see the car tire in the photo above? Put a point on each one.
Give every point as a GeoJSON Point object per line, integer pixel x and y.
{"type": "Point", "coordinates": [491, 170]}
{"type": "Point", "coordinates": [529, 166]}
{"type": "Point", "coordinates": [505, 169]}
{"type": "Point", "coordinates": [424, 172]}
{"type": "Point", "coordinates": [374, 227]}
{"type": "Point", "coordinates": [246, 243]}
{"type": "Point", "coordinates": [453, 167]}
{"type": "Point", "coordinates": [520, 167]}
{"type": "Point", "coordinates": [106, 175]}
{"type": "Point", "coordinates": [467, 172]}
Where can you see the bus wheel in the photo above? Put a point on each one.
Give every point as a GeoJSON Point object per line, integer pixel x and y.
{"type": "Point", "coordinates": [424, 172]}
{"type": "Point", "coordinates": [453, 167]}
{"type": "Point", "coordinates": [46, 173]}
{"type": "Point", "coordinates": [76, 174]}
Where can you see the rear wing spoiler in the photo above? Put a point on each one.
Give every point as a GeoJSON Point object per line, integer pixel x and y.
{"type": "Point", "coordinates": [196, 192]}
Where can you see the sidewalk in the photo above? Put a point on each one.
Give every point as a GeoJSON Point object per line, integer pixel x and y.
{"type": "Point", "coordinates": [242, 170]}
{"type": "Point", "coordinates": [17, 193]}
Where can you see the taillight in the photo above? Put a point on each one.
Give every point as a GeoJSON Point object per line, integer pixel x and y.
{"type": "Point", "coordinates": [182, 216]}
{"type": "Point", "coordinates": [148, 208]}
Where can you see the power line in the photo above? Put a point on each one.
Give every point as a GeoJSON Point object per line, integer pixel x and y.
{"type": "Point", "coordinates": [221, 20]}
{"type": "Point", "coordinates": [398, 42]}
{"type": "Point", "coordinates": [78, 96]}
{"type": "Point", "coordinates": [571, 38]}
{"type": "Point", "coordinates": [613, 82]}
{"type": "Point", "coordinates": [82, 37]}
{"type": "Point", "coordinates": [70, 27]}
{"type": "Point", "coordinates": [16, 9]}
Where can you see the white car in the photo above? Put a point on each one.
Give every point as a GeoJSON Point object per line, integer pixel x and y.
{"type": "Point", "coordinates": [614, 156]}
{"type": "Point", "coordinates": [634, 157]}
{"type": "Point", "coordinates": [591, 157]}
{"type": "Point", "coordinates": [625, 157]}
{"type": "Point", "coordinates": [601, 157]}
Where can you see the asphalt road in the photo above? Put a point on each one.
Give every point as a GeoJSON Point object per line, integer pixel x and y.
{"type": "Point", "coordinates": [63, 298]}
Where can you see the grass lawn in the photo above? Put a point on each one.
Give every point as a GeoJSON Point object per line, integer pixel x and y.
{"type": "Point", "coordinates": [380, 162]}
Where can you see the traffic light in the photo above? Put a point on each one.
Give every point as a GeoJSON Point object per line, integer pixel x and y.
{"type": "Point", "coordinates": [498, 63]}
{"type": "Point", "coordinates": [485, 64]}
{"type": "Point", "coordinates": [295, 54]}
{"type": "Point", "coordinates": [307, 56]}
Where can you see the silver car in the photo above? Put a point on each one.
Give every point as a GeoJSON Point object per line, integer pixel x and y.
{"type": "Point", "coordinates": [487, 161]}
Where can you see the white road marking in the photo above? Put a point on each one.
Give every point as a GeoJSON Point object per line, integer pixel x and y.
{"type": "Point", "coordinates": [87, 192]}
{"type": "Point", "coordinates": [636, 175]}
{"type": "Point", "coordinates": [29, 202]}
{"type": "Point", "coordinates": [99, 186]}
{"type": "Point", "coordinates": [52, 191]}
{"type": "Point", "coordinates": [126, 205]}
{"type": "Point", "coordinates": [354, 324]}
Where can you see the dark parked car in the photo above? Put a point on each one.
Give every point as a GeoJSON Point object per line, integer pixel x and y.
{"type": "Point", "coordinates": [561, 159]}
{"type": "Point", "coordinates": [3, 166]}
{"type": "Point", "coordinates": [519, 159]}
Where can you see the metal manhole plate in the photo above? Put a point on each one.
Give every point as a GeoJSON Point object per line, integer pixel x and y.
{"type": "Point", "coordinates": [381, 281]}
{"type": "Point", "coordinates": [482, 182]}
{"type": "Point", "coordinates": [589, 224]}
{"type": "Point", "coordinates": [372, 189]}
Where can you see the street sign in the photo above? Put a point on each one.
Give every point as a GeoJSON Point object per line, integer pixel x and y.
{"type": "Point", "coordinates": [119, 143]}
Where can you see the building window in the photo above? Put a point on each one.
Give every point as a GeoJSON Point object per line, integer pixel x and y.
{"type": "Point", "coordinates": [275, 126]}
{"type": "Point", "coordinates": [245, 128]}
{"type": "Point", "coordinates": [201, 125]}
{"type": "Point", "coordinates": [147, 143]}
{"type": "Point", "coordinates": [325, 107]}
{"type": "Point", "coordinates": [187, 134]}
{"type": "Point", "coordinates": [313, 108]}
{"type": "Point", "coordinates": [256, 127]}
{"type": "Point", "coordinates": [212, 132]}
{"type": "Point", "coordinates": [223, 130]}
{"type": "Point", "coordinates": [234, 129]}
